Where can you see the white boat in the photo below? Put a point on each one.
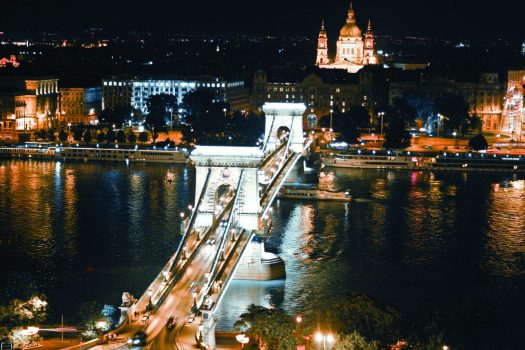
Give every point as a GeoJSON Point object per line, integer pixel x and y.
{"type": "Point", "coordinates": [372, 161]}
{"type": "Point", "coordinates": [312, 192]}
{"type": "Point", "coordinates": [122, 154]}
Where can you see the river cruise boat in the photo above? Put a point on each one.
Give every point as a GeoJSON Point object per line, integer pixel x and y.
{"type": "Point", "coordinates": [312, 192]}
{"type": "Point", "coordinates": [176, 156]}
{"type": "Point", "coordinates": [465, 161]}
{"type": "Point", "coordinates": [372, 161]}
{"type": "Point", "coordinates": [27, 152]}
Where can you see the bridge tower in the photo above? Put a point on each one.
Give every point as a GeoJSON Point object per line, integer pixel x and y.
{"type": "Point", "coordinates": [224, 165]}
{"type": "Point", "coordinates": [281, 118]}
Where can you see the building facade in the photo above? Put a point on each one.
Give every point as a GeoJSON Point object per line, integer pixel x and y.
{"type": "Point", "coordinates": [322, 91]}
{"type": "Point", "coordinates": [80, 105]}
{"type": "Point", "coordinates": [353, 51]}
{"type": "Point", "coordinates": [484, 96]}
{"type": "Point", "coordinates": [134, 92]}
{"type": "Point", "coordinates": [33, 103]}
{"type": "Point", "coordinates": [514, 108]}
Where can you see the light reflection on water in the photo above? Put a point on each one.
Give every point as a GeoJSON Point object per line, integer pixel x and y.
{"type": "Point", "coordinates": [415, 240]}
{"type": "Point", "coordinates": [418, 241]}
{"type": "Point", "coordinates": [83, 232]}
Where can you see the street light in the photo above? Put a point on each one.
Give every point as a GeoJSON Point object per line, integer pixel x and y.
{"type": "Point", "coordinates": [150, 305]}
{"type": "Point", "coordinates": [324, 338]}
{"type": "Point", "coordinates": [241, 338]}
{"type": "Point", "coordinates": [381, 114]}
{"type": "Point", "coordinates": [454, 134]}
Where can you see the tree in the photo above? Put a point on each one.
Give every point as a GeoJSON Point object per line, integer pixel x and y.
{"type": "Point", "coordinates": [19, 314]}
{"type": "Point", "coordinates": [160, 108]}
{"type": "Point", "coordinates": [51, 134]}
{"type": "Point", "coordinates": [77, 133]}
{"type": "Point", "coordinates": [362, 314]}
{"type": "Point", "coordinates": [396, 135]}
{"type": "Point", "coordinates": [354, 341]}
{"type": "Point", "coordinates": [406, 111]}
{"type": "Point", "coordinates": [101, 136]}
{"type": "Point", "coordinates": [121, 137]}
{"type": "Point", "coordinates": [96, 318]}
{"type": "Point", "coordinates": [110, 136]}
{"type": "Point", "coordinates": [116, 116]}
{"type": "Point", "coordinates": [132, 138]}
{"type": "Point", "coordinates": [454, 110]}
{"type": "Point", "coordinates": [87, 136]}
{"type": "Point", "coordinates": [143, 137]}
{"type": "Point", "coordinates": [471, 125]}
{"type": "Point", "coordinates": [23, 138]}
{"type": "Point", "coordinates": [478, 143]}
{"type": "Point", "coordinates": [348, 124]}
{"type": "Point", "coordinates": [62, 135]}
{"type": "Point", "coordinates": [270, 328]}
{"type": "Point", "coordinates": [324, 121]}
{"type": "Point", "coordinates": [205, 116]}
{"type": "Point", "coordinates": [424, 107]}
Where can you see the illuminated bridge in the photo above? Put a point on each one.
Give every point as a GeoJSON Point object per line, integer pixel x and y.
{"type": "Point", "coordinates": [235, 189]}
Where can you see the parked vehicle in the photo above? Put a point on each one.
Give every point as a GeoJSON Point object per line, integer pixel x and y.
{"type": "Point", "coordinates": [138, 339]}
{"type": "Point", "coordinates": [172, 322]}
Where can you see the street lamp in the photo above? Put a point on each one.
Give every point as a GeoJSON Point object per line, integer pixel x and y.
{"type": "Point", "coordinates": [331, 113]}
{"type": "Point", "coordinates": [150, 294]}
{"type": "Point", "coordinates": [381, 114]}
{"type": "Point", "coordinates": [241, 338]}
{"type": "Point", "coordinates": [324, 338]}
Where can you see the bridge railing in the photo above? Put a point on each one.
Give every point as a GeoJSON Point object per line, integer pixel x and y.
{"type": "Point", "coordinates": [193, 217]}
{"type": "Point", "coordinates": [272, 189]}
{"type": "Point", "coordinates": [270, 155]}
{"type": "Point", "coordinates": [161, 277]}
{"type": "Point", "coordinates": [227, 228]}
{"type": "Point", "coordinates": [269, 134]}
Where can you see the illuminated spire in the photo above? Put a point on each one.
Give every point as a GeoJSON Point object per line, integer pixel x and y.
{"type": "Point", "coordinates": [351, 17]}
{"type": "Point", "coordinates": [322, 25]}
{"type": "Point", "coordinates": [369, 29]}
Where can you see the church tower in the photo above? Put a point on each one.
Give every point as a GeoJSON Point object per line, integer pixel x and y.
{"type": "Point", "coordinates": [369, 53]}
{"type": "Point", "coordinates": [322, 47]}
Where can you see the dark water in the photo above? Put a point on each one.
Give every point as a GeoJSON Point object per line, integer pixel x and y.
{"type": "Point", "coordinates": [420, 242]}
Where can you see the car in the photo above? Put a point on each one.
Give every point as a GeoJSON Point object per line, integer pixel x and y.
{"type": "Point", "coordinates": [172, 322]}
{"type": "Point", "coordinates": [428, 147]}
{"type": "Point", "coordinates": [137, 339]}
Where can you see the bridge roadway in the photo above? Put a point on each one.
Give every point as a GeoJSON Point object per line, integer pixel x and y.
{"type": "Point", "coordinates": [177, 297]}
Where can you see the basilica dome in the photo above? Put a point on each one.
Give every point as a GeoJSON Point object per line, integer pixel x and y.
{"type": "Point", "coordinates": [350, 30]}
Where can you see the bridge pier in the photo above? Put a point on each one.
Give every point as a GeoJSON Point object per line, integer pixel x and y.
{"type": "Point", "coordinates": [258, 264]}
{"type": "Point", "coordinates": [208, 329]}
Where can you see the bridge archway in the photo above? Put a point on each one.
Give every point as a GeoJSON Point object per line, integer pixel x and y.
{"type": "Point", "coordinates": [225, 165]}
{"type": "Point", "coordinates": [279, 115]}
{"type": "Point", "coordinates": [283, 132]}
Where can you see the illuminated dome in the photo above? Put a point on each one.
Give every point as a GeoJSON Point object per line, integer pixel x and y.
{"type": "Point", "coordinates": [350, 30]}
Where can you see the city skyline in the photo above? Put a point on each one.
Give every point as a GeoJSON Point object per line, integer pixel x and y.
{"type": "Point", "coordinates": [443, 19]}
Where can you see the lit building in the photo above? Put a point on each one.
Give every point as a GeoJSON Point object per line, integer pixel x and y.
{"type": "Point", "coordinates": [41, 101]}
{"type": "Point", "coordinates": [7, 117]}
{"type": "Point", "coordinates": [484, 95]}
{"type": "Point", "coordinates": [322, 91]}
{"type": "Point", "coordinates": [126, 92]}
{"type": "Point", "coordinates": [352, 53]}
{"type": "Point", "coordinates": [34, 102]}
{"type": "Point", "coordinates": [514, 113]}
{"type": "Point", "coordinates": [80, 105]}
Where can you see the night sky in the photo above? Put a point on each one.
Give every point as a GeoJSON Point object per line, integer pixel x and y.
{"type": "Point", "coordinates": [444, 18]}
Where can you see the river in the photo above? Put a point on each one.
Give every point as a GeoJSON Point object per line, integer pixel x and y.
{"type": "Point", "coordinates": [418, 241]}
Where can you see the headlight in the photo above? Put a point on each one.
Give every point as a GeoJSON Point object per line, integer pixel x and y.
{"type": "Point", "coordinates": [136, 341]}
{"type": "Point", "coordinates": [130, 341]}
